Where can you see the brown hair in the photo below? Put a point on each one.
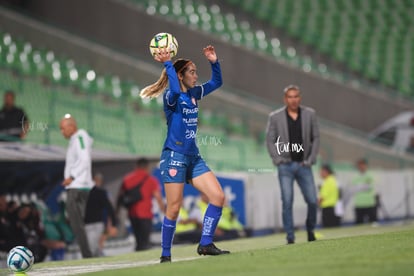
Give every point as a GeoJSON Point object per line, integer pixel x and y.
{"type": "Point", "coordinates": [157, 88]}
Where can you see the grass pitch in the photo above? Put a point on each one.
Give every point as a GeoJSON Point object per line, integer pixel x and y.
{"type": "Point", "coordinates": [361, 250]}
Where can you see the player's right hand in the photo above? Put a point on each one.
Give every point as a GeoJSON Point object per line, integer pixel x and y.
{"type": "Point", "coordinates": [162, 55]}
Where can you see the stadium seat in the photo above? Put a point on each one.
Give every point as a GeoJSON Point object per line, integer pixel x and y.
{"type": "Point", "coordinates": [107, 106]}
{"type": "Point", "coordinates": [355, 33]}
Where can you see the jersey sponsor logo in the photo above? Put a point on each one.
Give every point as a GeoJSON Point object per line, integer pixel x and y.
{"type": "Point", "coordinates": [176, 163]}
{"type": "Point", "coordinates": [190, 134]}
{"type": "Point", "coordinates": [190, 121]}
{"type": "Point", "coordinates": [187, 111]}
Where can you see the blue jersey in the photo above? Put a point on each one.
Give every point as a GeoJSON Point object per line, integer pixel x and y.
{"type": "Point", "coordinates": [181, 109]}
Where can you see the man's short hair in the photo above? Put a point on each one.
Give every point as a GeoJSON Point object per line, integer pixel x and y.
{"type": "Point", "coordinates": [291, 87]}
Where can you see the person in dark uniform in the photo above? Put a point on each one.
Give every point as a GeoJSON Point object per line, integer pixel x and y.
{"type": "Point", "coordinates": [100, 216]}
{"type": "Point", "coordinates": [14, 122]}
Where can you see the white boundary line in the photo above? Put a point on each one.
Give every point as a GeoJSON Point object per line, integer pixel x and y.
{"type": "Point", "coordinates": [79, 269]}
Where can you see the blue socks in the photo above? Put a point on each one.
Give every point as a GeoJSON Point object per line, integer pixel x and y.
{"type": "Point", "coordinates": [211, 219]}
{"type": "Point", "coordinates": [167, 236]}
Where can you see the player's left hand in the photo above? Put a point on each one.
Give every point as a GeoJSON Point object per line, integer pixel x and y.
{"type": "Point", "coordinates": [210, 53]}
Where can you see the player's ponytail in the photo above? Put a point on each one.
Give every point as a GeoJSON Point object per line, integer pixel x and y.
{"type": "Point", "coordinates": [157, 88]}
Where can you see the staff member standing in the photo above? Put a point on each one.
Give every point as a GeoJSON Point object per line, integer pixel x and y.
{"type": "Point", "coordinates": [140, 213]}
{"type": "Point", "coordinates": [329, 197]}
{"type": "Point", "coordinates": [78, 178]}
{"type": "Point", "coordinates": [292, 139]}
{"type": "Point", "coordinates": [100, 219]}
{"type": "Point", "coordinates": [14, 123]}
{"type": "Point", "coordinates": [365, 196]}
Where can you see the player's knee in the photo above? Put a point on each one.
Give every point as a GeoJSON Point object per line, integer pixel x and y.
{"type": "Point", "coordinates": [218, 198]}
{"type": "Point", "coordinates": [173, 211]}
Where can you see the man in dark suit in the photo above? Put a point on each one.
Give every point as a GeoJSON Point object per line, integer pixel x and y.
{"type": "Point", "coordinates": [292, 139]}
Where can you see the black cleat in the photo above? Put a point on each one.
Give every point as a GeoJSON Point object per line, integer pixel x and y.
{"type": "Point", "coordinates": [165, 259]}
{"type": "Point", "coordinates": [290, 241]}
{"type": "Point", "coordinates": [210, 249]}
{"type": "Point", "coordinates": [311, 236]}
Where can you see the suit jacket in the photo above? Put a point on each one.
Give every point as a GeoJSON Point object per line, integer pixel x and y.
{"type": "Point", "coordinates": [277, 136]}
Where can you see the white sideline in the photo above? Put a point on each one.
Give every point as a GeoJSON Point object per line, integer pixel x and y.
{"type": "Point", "coordinates": [79, 269]}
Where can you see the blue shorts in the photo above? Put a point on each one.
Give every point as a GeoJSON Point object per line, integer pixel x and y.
{"type": "Point", "coordinates": [180, 168]}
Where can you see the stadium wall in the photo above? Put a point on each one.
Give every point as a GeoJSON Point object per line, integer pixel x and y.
{"type": "Point", "coordinates": [263, 200]}
{"type": "Point", "coordinates": [119, 24]}
{"type": "Point", "coordinates": [254, 195]}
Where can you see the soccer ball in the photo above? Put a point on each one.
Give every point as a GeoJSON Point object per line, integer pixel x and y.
{"type": "Point", "coordinates": [163, 40]}
{"type": "Point", "coordinates": [20, 259]}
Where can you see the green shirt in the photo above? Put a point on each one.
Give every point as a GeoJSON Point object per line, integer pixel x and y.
{"type": "Point", "coordinates": [366, 197]}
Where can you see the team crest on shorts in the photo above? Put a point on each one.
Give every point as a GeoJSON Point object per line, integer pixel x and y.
{"type": "Point", "coordinates": [172, 172]}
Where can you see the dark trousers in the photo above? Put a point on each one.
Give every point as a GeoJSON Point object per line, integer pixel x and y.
{"type": "Point", "coordinates": [288, 173]}
{"type": "Point", "coordinates": [75, 206]}
{"type": "Point", "coordinates": [142, 229]}
{"type": "Point", "coordinates": [361, 214]}
{"type": "Point", "coordinates": [329, 219]}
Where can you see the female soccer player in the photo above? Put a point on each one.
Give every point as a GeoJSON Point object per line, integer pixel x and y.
{"type": "Point", "coordinates": [180, 158]}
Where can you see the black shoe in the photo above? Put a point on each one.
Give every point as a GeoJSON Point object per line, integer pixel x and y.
{"type": "Point", "coordinates": [210, 249]}
{"type": "Point", "coordinates": [290, 241]}
{"type": "Point", "coordinates": [165, 259]}
{"type": "Point", "coordinates": [311, 236]}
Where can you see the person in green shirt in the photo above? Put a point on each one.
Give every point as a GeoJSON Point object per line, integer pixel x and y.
{"type": "Point", "coordinates": [328, 197]}
{"type": "Point", "coordinates": [365, 197]}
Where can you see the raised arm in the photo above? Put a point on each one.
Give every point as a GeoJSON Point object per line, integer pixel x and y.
{"type": "Point", "coordinates": [216, 80]}
{"type": "Point", "coordinates": [163, 56]}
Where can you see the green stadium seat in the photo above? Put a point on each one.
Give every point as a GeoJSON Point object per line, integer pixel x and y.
{"type": "Point", "coordinates": [354, 33]}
